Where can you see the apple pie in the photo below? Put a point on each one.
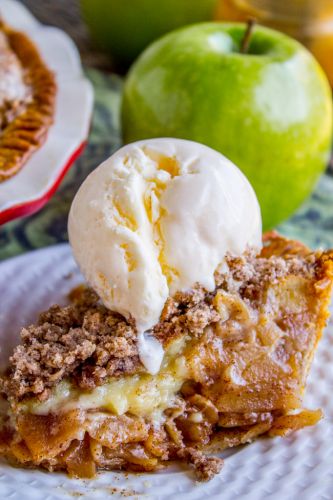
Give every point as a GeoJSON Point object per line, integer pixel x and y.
{"type": "Point", "coordinates": [235, 368]}
{"type": "Point", "coordinates": [27, 100]}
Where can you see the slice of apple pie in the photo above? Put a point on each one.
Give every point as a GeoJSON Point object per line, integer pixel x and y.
{"type": "Point", "coordinates": [27, 100]}
{"type": "Point", "coordinates": [235, 367]}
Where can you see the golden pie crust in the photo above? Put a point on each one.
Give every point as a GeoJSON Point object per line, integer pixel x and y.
{"type": "Point", "coordinates": [246, 373]}
{"type": "Point", "coordinates": [24, 134]}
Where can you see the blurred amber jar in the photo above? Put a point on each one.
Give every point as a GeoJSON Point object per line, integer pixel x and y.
{"type": "Point", "coordinates": [310, 21]}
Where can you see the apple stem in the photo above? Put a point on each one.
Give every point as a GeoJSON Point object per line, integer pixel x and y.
{"type": "Point", "coordinates": [247, 36]}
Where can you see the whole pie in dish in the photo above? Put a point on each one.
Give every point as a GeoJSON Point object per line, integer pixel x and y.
{"type": "Point", "coordinates": [235, 367]}
{"type": "Point", "coordinates": [27, 100]}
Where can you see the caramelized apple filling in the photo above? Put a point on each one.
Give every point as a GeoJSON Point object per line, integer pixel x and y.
{"type": "Point", "coordinates": [235, 368]}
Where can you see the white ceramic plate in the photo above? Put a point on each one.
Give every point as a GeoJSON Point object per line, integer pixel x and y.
{"type": "Point", "coordinates": [35, 183]}
{"type": "Point", "coordinates": [275, 469]}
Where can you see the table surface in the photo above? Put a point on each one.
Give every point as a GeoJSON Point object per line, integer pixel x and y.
{"type": "Point", "coordinates": [313, 223]}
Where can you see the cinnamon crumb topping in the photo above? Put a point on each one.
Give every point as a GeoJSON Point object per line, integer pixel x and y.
{"type": "Point", "coordinates": [205, 467]}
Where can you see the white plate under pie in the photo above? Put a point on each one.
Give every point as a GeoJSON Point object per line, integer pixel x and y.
{"type": "Point", "coordinates": [300, 466]}
{"type": "Point", "coordinates": [28, 190]}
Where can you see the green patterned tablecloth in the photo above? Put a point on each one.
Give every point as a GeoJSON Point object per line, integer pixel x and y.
{"type": "Point", "coordinates": [313, 223]}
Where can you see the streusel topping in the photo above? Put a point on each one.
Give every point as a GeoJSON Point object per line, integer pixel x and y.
{"type": "Point", "coordinates": [14, 91]}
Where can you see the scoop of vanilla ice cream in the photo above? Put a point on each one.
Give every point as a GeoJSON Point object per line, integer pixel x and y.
{"type": "Point", "coordinates": [159, 216]}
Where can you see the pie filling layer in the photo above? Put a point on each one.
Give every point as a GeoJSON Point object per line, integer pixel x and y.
{"type": "Point", "coordinates": [235, 368]}
{"type": "Point", "coordinates": [141, 394]}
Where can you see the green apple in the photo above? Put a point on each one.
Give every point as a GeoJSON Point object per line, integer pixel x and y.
{"type": "Point", "coordinates": [268, 110]}
{"type": "Point", "coordinates": [125, 27]}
